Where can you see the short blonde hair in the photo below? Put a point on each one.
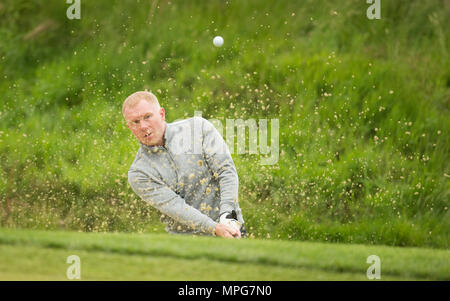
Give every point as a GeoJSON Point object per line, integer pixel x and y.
{"type": "Point", "coordinates": [136, 97]}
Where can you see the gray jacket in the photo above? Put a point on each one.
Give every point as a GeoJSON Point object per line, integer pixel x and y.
{"type": "Point", "coordinates": [191, 180]}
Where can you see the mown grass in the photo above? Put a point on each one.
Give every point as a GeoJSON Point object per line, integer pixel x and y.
{"type": "Point", "coordinates": [26, 264]}
{"type": "Point", "coordinates": [362, 106]}
{"type": "Point", "coordinates": [41, 255]}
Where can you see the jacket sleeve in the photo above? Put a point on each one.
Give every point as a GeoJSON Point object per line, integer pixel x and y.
{"type": "Point", "coordinates": [218, 158]}
{"type": "Point", "coordinates": [159, 195]}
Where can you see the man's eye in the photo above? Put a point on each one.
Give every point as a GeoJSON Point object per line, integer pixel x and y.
{"type": "Point", "coordinates": [136, 122]}
{"type": "Point", "coordinates": [146, 117]}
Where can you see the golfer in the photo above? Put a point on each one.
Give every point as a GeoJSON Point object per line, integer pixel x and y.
{"type": "Point", "coordinates": [184, 169]}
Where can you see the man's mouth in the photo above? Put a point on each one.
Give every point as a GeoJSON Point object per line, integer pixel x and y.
{"type": "Point", "coordinates": [147, 135]}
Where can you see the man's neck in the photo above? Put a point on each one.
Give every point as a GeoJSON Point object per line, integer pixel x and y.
{"type": "Point", "coordinates": [163, 138]}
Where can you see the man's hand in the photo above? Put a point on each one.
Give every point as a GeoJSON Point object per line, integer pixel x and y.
{"type": "Point", "coordinates": [230, 220]}
{"type": "Point", "coordinates": [226, 231]}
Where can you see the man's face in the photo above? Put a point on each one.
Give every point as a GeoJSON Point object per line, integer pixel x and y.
{"type": "Point", "coordinates": [146, 122]}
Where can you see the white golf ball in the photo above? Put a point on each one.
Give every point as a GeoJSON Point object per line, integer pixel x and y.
{"type": "Point", "coordinates": [218, 41]}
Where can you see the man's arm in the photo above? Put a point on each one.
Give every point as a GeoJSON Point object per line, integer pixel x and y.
{"type": "Point", "coordinates": [160, 196]}
{"type": "Point", "coordinates": [219, 160]}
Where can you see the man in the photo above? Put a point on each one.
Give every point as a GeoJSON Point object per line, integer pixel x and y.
{"type": "Point", "coordinates": [184, 169]}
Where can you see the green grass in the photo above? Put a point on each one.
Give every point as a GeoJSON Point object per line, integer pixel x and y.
{"type": "Point", "coordinates": [363, 107]}
{"type": "Point", "coordinates": [41, 255]}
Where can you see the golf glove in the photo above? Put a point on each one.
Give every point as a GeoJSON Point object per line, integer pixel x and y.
{"type": "Point", "coordinates": [230, 220]}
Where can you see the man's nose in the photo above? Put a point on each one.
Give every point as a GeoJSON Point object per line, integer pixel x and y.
{"type": "Point", "coordinates": [143, 124]}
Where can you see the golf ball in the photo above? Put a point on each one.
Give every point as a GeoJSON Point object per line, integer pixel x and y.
{"type": "Point", "coordinates": [218, 41]}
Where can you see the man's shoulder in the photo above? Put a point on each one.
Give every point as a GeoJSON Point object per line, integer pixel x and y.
{"type": "Point", "coordinates": [185, 126]}
{"type": "Point", "coordinates": [188, 121]}
{"type": "Point", "coordinates": [198, 124]}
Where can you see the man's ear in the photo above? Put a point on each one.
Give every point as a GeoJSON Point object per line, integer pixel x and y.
{"type": "Point", "coordinates": [163, 113]}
